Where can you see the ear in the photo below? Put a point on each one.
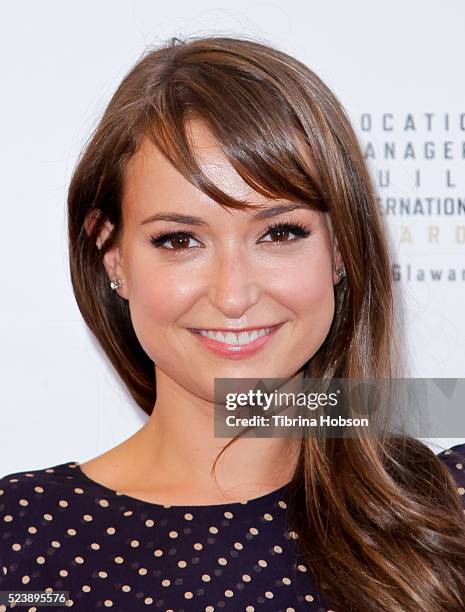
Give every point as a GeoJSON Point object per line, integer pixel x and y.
{"type": "Point", "coordinates": [335, 253]}
{"type": "Point", "coordinates": [113, 259]}
{"type": "Point", "coordinates": [337, 262]}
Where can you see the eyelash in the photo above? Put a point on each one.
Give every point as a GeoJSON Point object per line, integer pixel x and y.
{"type": "Point", "coordinates": [158, 240]}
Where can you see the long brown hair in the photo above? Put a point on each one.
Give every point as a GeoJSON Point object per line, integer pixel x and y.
{"type": "Point", "coordinates": [378, 519]}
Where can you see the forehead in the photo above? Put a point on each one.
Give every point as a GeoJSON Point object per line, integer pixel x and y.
{"type": "Point", "coordinates": [151, 179]}
{"type": "Point", "coordinates": [153, 184]}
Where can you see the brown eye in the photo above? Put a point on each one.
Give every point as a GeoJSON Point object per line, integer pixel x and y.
{"type": "Point", "coordinates": [178, 240]}
{"type": "Point", "coordinates": [280, 234]}
{"type": "Point", "coordinates": [282, 231]}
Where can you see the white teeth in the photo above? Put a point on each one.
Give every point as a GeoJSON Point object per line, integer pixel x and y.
{"type": "Point", "coordinates": [232, 338]}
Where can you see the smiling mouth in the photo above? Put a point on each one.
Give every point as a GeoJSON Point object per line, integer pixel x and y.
{"type": "Point", "coordinates": [236, 338]}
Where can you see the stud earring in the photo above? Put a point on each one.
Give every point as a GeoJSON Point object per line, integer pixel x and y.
{"type": "Point", "coordinates": [116, 283]}
{"type": "Point", "coordinates": [341, 271]}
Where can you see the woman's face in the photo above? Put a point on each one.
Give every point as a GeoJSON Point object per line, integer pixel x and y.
{"type": "Point", "coordinates": [233, 272]}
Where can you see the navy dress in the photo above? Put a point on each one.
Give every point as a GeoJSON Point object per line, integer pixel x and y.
{"type": "Point", "coordinates": [62, 531]}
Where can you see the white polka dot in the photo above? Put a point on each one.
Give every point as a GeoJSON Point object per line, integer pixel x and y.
{"type": "Point", "coordinates": [308, 597]}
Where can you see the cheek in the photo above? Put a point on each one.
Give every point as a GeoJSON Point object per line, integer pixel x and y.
{"type": "Point", "coordinates": [157, 301]}
{"type": "Point", "coordinates": [308, 292]}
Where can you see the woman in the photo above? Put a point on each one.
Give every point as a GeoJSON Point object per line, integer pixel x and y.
{"type": "Point", "coordinates": [224, 191]}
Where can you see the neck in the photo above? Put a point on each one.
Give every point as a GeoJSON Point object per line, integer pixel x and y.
{"type": "Point", "coordinates": [176, 449]}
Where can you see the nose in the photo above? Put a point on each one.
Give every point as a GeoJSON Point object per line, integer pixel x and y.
{"type": "Point", "coordinates": [233, 284]}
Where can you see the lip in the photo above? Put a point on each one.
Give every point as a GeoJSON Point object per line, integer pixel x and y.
{"type": "Point", "coordinates": [236, 351]}
{"type": "Point", "coordinates": [235, 330]}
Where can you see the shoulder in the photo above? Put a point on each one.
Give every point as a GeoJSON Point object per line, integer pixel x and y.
{"type": "Point", "coordinates": [38, 483]}
{"type": "Point", "coordinates": [30, 501]}
{"type": "Point", "coordinates": [454, 459]}
{"type": "Point", "coordinates": [32, 495]}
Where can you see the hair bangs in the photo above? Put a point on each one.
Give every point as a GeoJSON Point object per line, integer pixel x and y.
{"type": "Point", "coordinates": [252, 124]}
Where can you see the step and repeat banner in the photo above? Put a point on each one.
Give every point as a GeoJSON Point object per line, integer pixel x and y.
{"type": "Point", "coordinates": [417, 160]}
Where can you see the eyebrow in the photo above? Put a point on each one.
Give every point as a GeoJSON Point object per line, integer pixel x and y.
{"type": "Point", "coordinates": [265, 213]}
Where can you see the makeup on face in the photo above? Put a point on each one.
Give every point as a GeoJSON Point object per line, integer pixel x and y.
{"type": "Point", "coordinates": [236, 345]}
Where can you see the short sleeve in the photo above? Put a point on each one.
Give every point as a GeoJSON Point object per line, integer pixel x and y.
{"type": "Point", "coordinates": [16, 491]}
{"type": "Point", "coordinates": [7, 501]}
{"type": "Point", "coordinates": [454, 459]}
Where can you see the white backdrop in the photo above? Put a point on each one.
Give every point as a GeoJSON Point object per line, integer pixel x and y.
{"type": "Point", "coordinates": [60, 63]}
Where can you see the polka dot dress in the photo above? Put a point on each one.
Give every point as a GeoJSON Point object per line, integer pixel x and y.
{"type": "Point", "coordinates": [60, 530]}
